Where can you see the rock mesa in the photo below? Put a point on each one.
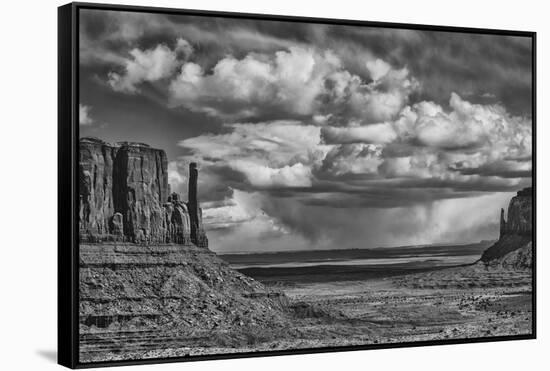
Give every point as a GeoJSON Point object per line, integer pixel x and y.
{"type": "Point", "coordinates": [516, 232]}
{"type": "Point", "coordinates": [125, 196]}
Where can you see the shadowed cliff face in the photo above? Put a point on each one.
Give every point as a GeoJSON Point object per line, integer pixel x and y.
{"type": "Point", "coordinates": [520, 214]}
{"type": "Point", "coordinates": [516, 232]}
{"type": "Point", "coordinates": [125, 196]}
{"type": "Point", "coordinates": [140, 188]}
{"type": "Point", "coordinates": [96, 186]}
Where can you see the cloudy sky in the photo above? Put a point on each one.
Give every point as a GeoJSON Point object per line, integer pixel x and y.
{"type": "Point", "coordinates": [313, 136]}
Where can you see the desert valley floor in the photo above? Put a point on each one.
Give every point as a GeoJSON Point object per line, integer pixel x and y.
{"type": "Point", "coordinates": [451, 303]}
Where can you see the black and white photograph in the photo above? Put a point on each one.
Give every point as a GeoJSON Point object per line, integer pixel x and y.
{"type": "Point", "coordinates": [252, 185]}
{"type": "Point", "coordinates": [248, 185]}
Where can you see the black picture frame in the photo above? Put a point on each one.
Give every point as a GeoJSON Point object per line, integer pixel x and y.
{"type": "Point", "coordinates": [68, 137]}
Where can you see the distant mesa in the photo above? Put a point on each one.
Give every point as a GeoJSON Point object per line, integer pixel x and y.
{"type": "Point", "coordinates": [519, 215]}
{"type": "Point", "coordinates": [125, 196]}
{"type": "Point", "coordinates": [514, 246]}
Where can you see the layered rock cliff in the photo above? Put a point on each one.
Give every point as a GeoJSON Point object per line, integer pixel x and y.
{"type": "Point", "coordinates": [138, 300]}
{"type": "Point", "coordinates": [515, 233]}
{"type": "Point", "coordinates": [125, 196]}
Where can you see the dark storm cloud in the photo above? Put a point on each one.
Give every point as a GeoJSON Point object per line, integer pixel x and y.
{"type": "Point", "coordinates": [483, 68]}
{"type": "Point", "coordinates": [475, 66]}
{"type": "Point", "coordinates": [315, 226]}
{"type": "Point", "coordinates": [307, 134]}
{"type": "Point", "coordinates": [499, 169]}
{"type": "Point", "coordinates": [360, 193]}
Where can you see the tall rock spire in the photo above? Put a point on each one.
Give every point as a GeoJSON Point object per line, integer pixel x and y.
{"type": "Point", "coordinates": [192, 200]}
{"type": "Point", "coordinates": [198, 236]}
{"type": "Point", "coordinates": [502, 223]}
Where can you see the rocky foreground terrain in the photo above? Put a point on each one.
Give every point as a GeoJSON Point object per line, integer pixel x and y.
{"type": "Point", "coordinates": [197, 305]}
{"type": "Point", "coordinates": [138, 300]}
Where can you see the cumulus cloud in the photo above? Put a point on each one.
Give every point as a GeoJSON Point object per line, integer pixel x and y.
{"type": "Point", "coordinates": [469, 136]}
{"type": "Point", "coordinates": [352, 99]}
{"type": "Point", "coordinates": [288, 80]}
{"type": "Point", "coordinates": [421, 149]}
{"type": "Point", "coordinates": [356, 158]}
{"type": "Point", "coordinates": [378, 68]}
{"type": "Point", "coordinates": [84, 117]}
{"type": "Point", "coordinates": [148, 65]}
{"type": "Point", "coordinates": [298, 81]}
{"type": "Point", "coordinates": [297, 175]}
{"type": "Point", "coordinates": [176, 177]}
{"type": "Point", "coordinates": [279, 153]}
{"type": "Point", "coordinates": [480, 145]}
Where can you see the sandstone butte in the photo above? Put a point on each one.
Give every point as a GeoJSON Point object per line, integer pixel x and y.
{"type": "Point", "coordinates": [514, 246]}
{"type": "Point", "coordinates": [125, 196]}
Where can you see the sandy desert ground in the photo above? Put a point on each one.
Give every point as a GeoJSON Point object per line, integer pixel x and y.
{"type": "Point", "coordinates": [452, 303]}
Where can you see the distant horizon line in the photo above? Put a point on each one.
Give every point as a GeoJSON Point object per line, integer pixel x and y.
{"type": "Point", "coordinates": [442, 244]}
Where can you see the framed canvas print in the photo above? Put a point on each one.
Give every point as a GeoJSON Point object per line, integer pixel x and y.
{"type": "Point", "coordinates": [235, 185]}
